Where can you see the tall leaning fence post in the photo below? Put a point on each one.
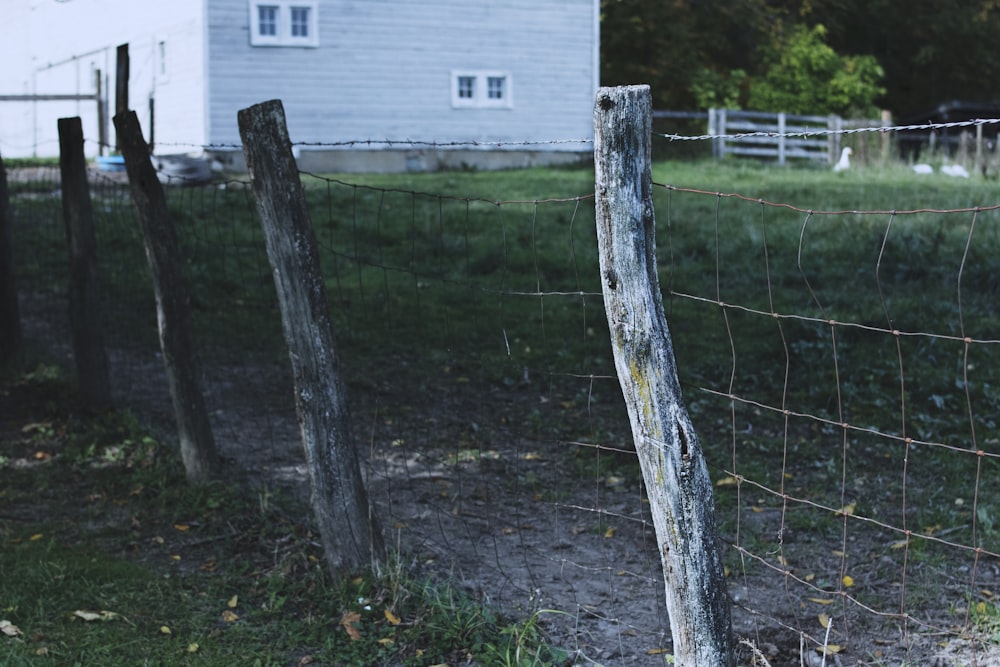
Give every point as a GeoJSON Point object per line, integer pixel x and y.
{"type": "Point", "coordinates": [173, 311]}
{"type": "Point", "coordinates": [10, 312]}
{"type": "Point", "coordinates": [93, 376]}
{"type": "Point", "coordinates": [352, 539]}
{"type": "Point", "coordinates": [678, 486]}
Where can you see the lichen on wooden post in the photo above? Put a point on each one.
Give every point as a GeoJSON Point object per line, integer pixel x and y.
{"type": "Point", "coordinates": [673, 467]}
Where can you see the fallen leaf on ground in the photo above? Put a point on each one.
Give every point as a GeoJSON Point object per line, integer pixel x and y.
{"type": "Point", "coordinates": [9, 629]}
{"type": "Point", "coordinates": [391, 617]}
{"type": "Point", "coordinates": [347, 621]}
{"type": "Point", "coordinates": [229, 617]}
{"type": "Point", "coordinates": [96, 615]}
{"type": "Point", "coordinates": [824, 620]}
{"type": "Point", "coordinates": [848, 580]}
{"type": "Point", "coordinates": [830, 648]}
{"type": "Point", "coordinates": [233, 601]}
{"type": "Point", "coordinates": [820, 601]}
{"type": "Point", "coordinates": [165, 630]}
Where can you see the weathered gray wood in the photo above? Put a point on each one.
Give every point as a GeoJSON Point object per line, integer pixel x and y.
{"type": "Point", "coordinates": [201, 462]}
{"type": "Point", "coordinates": [673, 467]}
{"type": "Point", "coordinates": [121, 85]}
{"type": "Point", "coordinates": [93, 376]}
{"type": "Point", "coordinates": [10, 314]}
{"type": "Point", "coordinates": [351, 535]}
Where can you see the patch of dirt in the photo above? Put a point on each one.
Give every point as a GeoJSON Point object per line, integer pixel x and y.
{"type": "Point", "coordinates": [485, 484]}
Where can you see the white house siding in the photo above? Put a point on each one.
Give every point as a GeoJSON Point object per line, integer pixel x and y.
{"type": "Point", "coordinates": [382, 71]}
{"type": "Point", "coordinates": [67, 42]}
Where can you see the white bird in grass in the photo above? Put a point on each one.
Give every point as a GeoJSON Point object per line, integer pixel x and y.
{"type": "Point", "coordinates": [845, 160]}
{"type": "Point", "coordinates": [954, 170]}
{"type": "Point", "coordinates": [923, 169]}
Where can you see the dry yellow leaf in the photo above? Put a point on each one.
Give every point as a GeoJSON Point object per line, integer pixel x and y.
{"type": "Point", "coordinates": [386, 641]}
{"type": "Point", "coordinates": [824, 620]}
{"type": "Point", "coordinates": [193, 647]}
{"type": "Point", "coordinates": [846, 510]}
{"type": "Point", "coordinates": [233, 601]}
{"type": "Point", "coordinates": [831, 648]}
{"type": "Point", "coordinates": [820, 601]}
{"type": "Point", "coordinates": [229, 617]}
{"type": "Point", "coordinates": [183, 527]}
{"type": "Point", "coordinates": [610, 532]}
{"type": "Point", "coordinates": [901, 544]}
{"type": "Point", "coordinates": [391, 617]}
{"type": "Point", "coordinates": [657, 651]}
{"type": "Point", "coordinates": [347, 621]}
{"type": "Point", "coordinates": [727, 481]}
{"type": "Point", "coordinates": [165, 630]}
{"type": "Point", "coordinates": [848, 580]}
{"type": "Point", "coordinates": [532, 456]}
{"type": "Point", "coordinates": [36, 537]}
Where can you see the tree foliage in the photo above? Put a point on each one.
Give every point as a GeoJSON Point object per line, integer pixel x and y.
{"type": "Point", "coordinates": [807, 76]}
{"type": "Point", "coordinates": [700, 53]}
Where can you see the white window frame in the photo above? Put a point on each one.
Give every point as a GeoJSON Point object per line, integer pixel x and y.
{"type": "Point", "coordinates": [480, 89]}
{"type": "Point", "coordinates": [284, 36]}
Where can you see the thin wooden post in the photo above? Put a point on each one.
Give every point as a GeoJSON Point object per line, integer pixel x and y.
{"type": "Point", "coordinates": [102, 124]}
{"type": "Point", "coordinates": [351, 535]}
{"type": "Point", "coordinates": [91, 358]}
{"type": "Point", "coordinates": [781, 138]}
{"type": "Point", "coordinates": [121, 85]}
{"type": "Point", "coordinates": [10, 314]}
{"type": "Point", "coordinates": [886, 120]}
{"type": "Point", "coordinates": [201, 462]}
{"type": "Point", "coordinates": [834, 124]}
{"type": "Point", "coordinates": [677, 483]}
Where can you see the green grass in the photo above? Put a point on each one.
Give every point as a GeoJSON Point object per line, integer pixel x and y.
{"type": "Point", "coordinates": [110, 558]}
{"type": "Point", "coordinates": [481, 276]}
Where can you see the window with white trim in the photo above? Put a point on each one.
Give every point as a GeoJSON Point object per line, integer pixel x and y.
{"type": "Point", "coordinates": [284, 23]}
{"type": "Point", "coordinates": [481, 89]}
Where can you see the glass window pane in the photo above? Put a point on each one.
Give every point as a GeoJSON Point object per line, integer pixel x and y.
{"type": "Point", "coordinates": [495, 87]}
{"type": "Point", "coordinates": [300, 21]}
{"type": "Point", "coordinates": [267, 20]}
{"type": "Point", "coordinates": [466, 87]}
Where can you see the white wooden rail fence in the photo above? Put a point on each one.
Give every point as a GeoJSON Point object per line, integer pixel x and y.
{"type": "Point", "coordinates": [768, 135]}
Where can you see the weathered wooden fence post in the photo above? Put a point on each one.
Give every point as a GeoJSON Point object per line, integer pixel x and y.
{"type": "Point", "coordinates": [89, 354]}
{"type": "Point", "coordinates": [201, 462]}
{"type": "Point", "coordinates": [673, 467]}
{"type": "Point", "coordinates": [351, 535]}
{"type": "Point", "coordinates": [10, 313]}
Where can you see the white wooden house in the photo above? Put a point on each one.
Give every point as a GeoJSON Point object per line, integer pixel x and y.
{"type": "Point", "coordinates": [366, 84]}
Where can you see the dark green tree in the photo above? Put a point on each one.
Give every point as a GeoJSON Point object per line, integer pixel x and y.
{"type": "Point", "coordinates": [805, 75]}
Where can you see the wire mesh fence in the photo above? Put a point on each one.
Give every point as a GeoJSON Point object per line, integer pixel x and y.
{"type": "Point", "coordinates": [838, 362]}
